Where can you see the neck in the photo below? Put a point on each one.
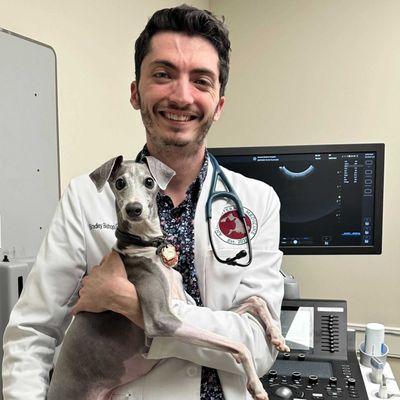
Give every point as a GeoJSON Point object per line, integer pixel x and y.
{"type": "Point", "coordinates": [186, 166]}
{"type": "Point", "coordinates": [130, 241]}
{"type": "Point", "coordinates": [146, 230]}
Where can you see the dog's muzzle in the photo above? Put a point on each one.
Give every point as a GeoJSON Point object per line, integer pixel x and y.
{"type": "Point", "coordinates": [134, 210]}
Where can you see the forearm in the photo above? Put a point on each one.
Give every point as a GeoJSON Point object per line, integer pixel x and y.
{"type": "Point", "coordinates": [243, 329]}
{"type": "Point", "coordinates": [36, 326]}
{"type": "Point", "coordinates": [26, 365]}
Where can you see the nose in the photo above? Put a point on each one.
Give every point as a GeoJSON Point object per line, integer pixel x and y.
{"type": "Point", "coordinates": [134, 210]}
{"type": "Point", "coordinates": [181, 93]}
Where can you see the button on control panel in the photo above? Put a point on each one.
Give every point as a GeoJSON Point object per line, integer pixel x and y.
{"type": "Point", "coordinates": [297, 386]}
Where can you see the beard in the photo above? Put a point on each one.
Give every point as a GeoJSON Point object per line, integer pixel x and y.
{"type": "Point", "coordinates": [171, 143]}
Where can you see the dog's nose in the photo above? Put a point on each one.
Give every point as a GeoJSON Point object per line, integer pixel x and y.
{"type": "Point", "coordinates": [134, 209]}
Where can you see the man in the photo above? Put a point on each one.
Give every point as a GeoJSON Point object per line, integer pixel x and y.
{"type": "Point", "coordinates": [182, 64]}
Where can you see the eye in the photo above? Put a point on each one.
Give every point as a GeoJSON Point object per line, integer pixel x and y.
{"type": "Point", "coordinates": [161, 75]}
{"type": "Point", "coordinates": [149, 183]}
{"type": "Point", "coordinates": [203, 82]}
{"type": "Point", "coordinates": [120, 183]}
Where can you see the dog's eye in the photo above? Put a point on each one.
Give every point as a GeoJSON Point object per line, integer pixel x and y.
{"type": "Point", "coordinates": [120, 183]}
{"type": "Point", "coordinates": [149, 183]}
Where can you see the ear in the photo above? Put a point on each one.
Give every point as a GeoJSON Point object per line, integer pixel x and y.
{"type": "Point", "coordinates": [102, 174]}
{"type": "Point", "coordinates": [160, 172]}
{"type": "Point", "coordinates": [135, 96]}
{"type": "Point", "coordinates": [218, 109]}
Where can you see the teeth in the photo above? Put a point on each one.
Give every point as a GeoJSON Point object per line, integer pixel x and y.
{"type": "Point", "coordinates": [176, 117]}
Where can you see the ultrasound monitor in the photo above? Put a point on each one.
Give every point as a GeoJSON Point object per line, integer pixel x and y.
{"type": "Point", "coordinates": [331, 195]}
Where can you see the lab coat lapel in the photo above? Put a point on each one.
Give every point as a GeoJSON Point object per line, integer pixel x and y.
{"type": "Point", "coordinates": [203, 249]}
{"type": "Point", "coordinates": [201, 240]}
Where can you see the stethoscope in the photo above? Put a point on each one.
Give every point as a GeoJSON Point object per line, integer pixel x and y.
{"type": "Point", "coordinates": [228, 193]}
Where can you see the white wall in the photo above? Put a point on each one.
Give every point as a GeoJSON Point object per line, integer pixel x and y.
{"type": "Point", "coordinates": [323, 71]}
{"type": "Point", "coordinates": [94, 43]}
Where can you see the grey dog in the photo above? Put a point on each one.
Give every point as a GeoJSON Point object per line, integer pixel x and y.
{"type": "Point", "coordinates": [103, 351]}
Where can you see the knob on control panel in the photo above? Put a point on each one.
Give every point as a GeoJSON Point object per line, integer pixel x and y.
{"type": "Point", "coordinates": [296, 376]}
{"type": "Point", "coordinates": [351, 382]}
{"type": "Point", "coordinates": [313, 379]}
{"type": "Point", "coordinates": [332, 381]}
{"type": "Point", "coordinates": [272, 374]}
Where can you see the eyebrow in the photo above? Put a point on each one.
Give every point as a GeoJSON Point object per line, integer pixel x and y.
{"type": "Point", "coordinates": [170, 65]}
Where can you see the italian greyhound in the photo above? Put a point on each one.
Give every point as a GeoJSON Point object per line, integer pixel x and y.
{"type": "Point", "coordinates": [102, 351]}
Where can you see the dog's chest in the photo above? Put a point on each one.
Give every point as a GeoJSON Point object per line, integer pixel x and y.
{"type": "Point", "coordinates": [143, 268]}
{"type": "Point", "coordinates": [144, 264]}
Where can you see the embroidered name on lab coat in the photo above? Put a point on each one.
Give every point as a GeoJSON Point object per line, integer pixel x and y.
{"type": "Point", "coordinates": [102, 225]}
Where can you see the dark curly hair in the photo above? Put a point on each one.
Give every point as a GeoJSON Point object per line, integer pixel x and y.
{"type": "Point", "coordinates": [190, 21]}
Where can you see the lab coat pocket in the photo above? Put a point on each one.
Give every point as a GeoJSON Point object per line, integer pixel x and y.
{"type": "Point", "coordinates": [221, 280]}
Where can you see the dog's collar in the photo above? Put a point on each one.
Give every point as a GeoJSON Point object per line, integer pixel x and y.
{"type": "Point", "coordinates": [166, 251]}
{"type": "Point", "coordinates": [129, 239]}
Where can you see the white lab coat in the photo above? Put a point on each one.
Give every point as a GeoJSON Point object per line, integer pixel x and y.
{"type": "Point", "coordinates": [82, 232]}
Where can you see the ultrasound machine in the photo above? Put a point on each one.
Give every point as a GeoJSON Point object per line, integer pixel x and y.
{"type": "Point", "coordinates": [331, 203]}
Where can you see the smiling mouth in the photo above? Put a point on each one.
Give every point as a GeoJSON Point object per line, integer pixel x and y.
{"type": "Point", "coordinates": [177, 117]}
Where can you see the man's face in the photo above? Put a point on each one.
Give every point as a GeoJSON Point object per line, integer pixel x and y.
{"type": "Point", "coordinates": [178, 92]}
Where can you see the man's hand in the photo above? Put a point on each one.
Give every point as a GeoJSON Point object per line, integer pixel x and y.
{"type": "Point", "coordinates": [107, 288]}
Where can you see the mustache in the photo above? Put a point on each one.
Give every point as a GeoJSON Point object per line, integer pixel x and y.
{"type": "Point", "coordinates": [171, 105]}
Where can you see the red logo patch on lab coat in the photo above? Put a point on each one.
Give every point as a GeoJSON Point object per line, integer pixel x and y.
{"type": "Point", "coordinates": [230, 228]}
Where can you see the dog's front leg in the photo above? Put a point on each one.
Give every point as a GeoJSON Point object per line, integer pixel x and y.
{"type": "Point", "coordinates": [239, 351]}
{"type": "Point", "coordinates": [154, 293]}
{"type": "Point", "coordinates": [257, 307]}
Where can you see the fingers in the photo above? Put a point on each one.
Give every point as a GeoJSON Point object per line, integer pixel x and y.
{"type": "Point", "coordinates": [75, 309]}
{"type": "Point", "coordinates": [78, 306]}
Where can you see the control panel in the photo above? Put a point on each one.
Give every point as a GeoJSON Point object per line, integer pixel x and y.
{"type": "Point", "coordinates": [322, 363]}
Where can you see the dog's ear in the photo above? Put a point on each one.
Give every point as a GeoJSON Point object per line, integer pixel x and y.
{"type": "Point", "coordinates": [160, 172]}
{"type": "Point", "coordinates": [102, 174]}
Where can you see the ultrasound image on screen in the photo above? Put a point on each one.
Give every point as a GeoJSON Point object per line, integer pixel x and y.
{"type": "Point", "coordinates": [305, 194]}
{"type": "Point", "coordinates": [326, 199]}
